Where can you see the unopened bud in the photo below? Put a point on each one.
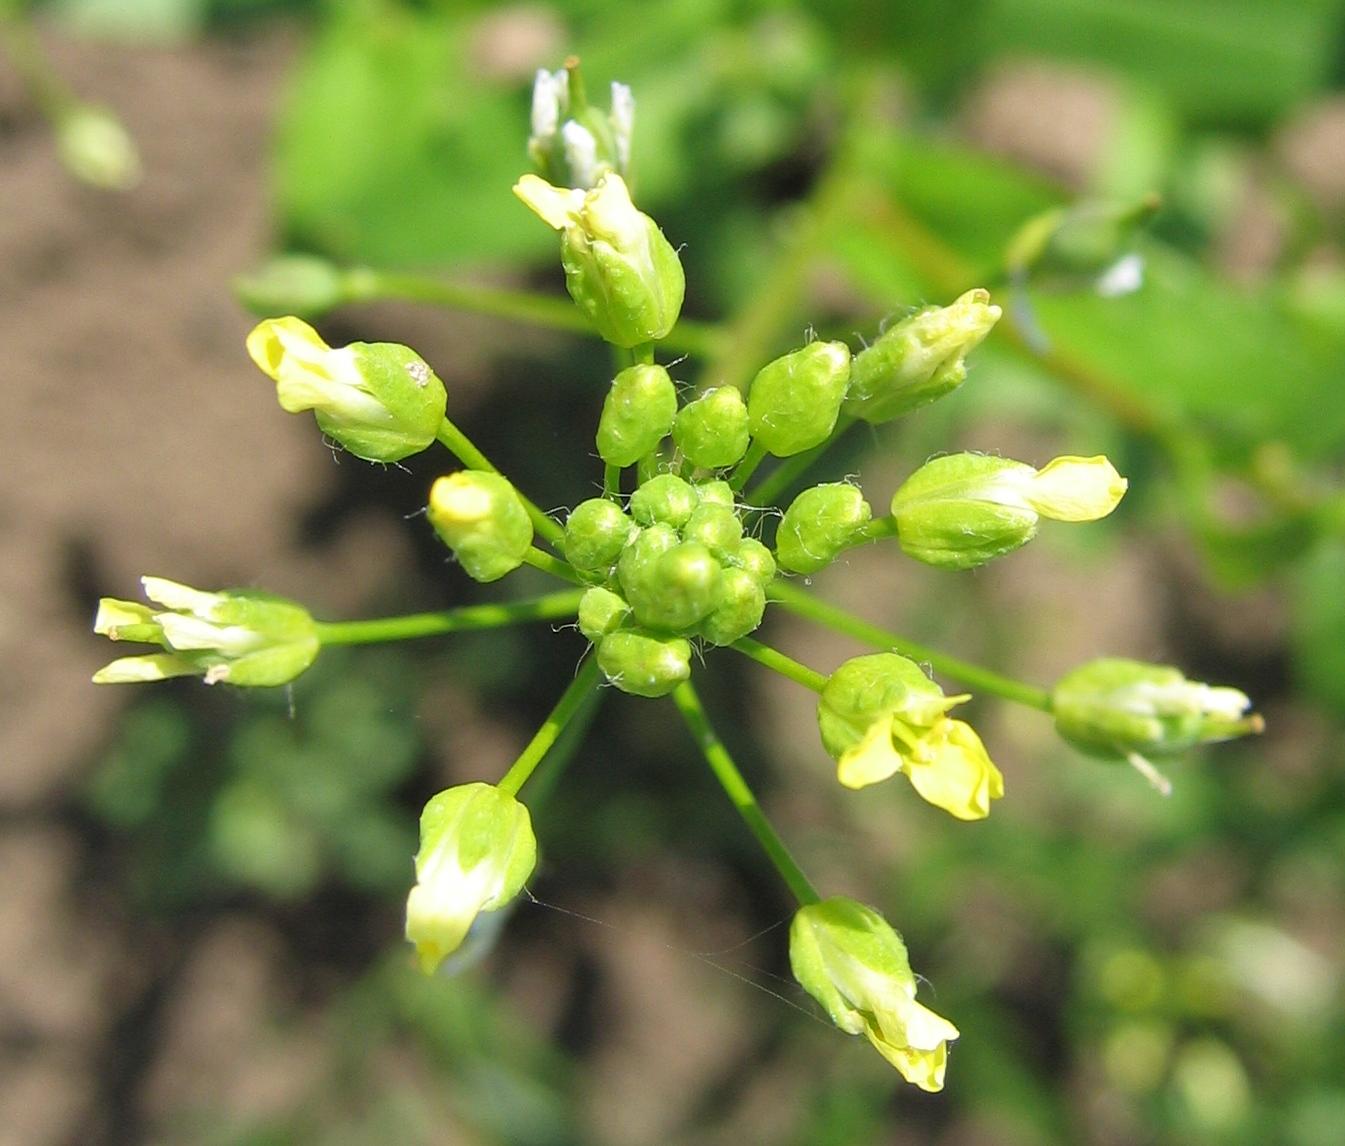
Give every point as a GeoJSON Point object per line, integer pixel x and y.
{"type": "Point", "coordinates": [819, 525]}
{"type": "Point", "coordinates": [480, 517]}
{"type": "Point", "coordinates": [644, 664]}
{"type": "Point", "coordinates": [742, 603]}
{"type": "Point", "coordinates": [637, 414]}
{"type": "Point", "coordinates": [595, 534]}
{"type": "Point", "coordinates": [712, 430]}
{"type": "Point", "coordinates": [794, 401]}
{"type": "Point", "coordinates": [664, 500]}
{"type": "Point", "coordinates": [303, 285]}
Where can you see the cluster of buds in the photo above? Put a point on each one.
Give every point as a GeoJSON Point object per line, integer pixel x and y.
{"type": "Point", "coordinates": [684, 561]}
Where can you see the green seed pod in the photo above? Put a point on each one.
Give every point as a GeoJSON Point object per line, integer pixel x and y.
{"type": "Point", "coordinates": [715, 527]}
{"type": "Point", "coordinates": [595, 534]}
{"type": "Point", "coordinates": [1111, 707]}
{"type": "Point", "coordinates": [819, 525]}
{"type": "Point", "coordinates": [681, 587]}
{"type": "Point", "coordinates": [638, 565]}
{"type": "Point", "coordinates": [480, 517]}
{"type": "Point", "coordinates": [920, 359]}
{"type": "Point", "coordinates": [756, 559]}
{"type": "Point", "coordinates": [715, 493]}
{"type": "Point", "coordinates": [621, 271]}
{"type": "Point", "coordinates": [712, 430]}
{"type": "Point", "coordinates": [637, 414]}
{"type": "Point", "coordinates": [601, 612]}
{"type": "Point", "coordinates": [960, 511]}
{"type": "Point", "coordinates": [795, 400]}
{"type": "Point", "coordinates": [665, 499]}
{"type": "Point", "coordinates": [643, 664]}
{"type": "Point", "coordinates": [742, 603]}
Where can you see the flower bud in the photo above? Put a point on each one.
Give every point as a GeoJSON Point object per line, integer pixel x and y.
{"type": "Point", "coordinates": [753, 557]}
{"type": "Point", "coordinates": [712, 430]}
{"type": "Point", "coordinates": [741, 605]}
{"type": "Point", "coordinates": [720, 530]}
{"type": "Point", "coordinates": [477, 850]}
{"type": "Point", "coordinates": [377, 399]}
{"type": "Point", "coordinates": [676, 589]}
{"type": "Point", "coordinates": [595, 534]}
{"type": "Point", "coordinates": [665, 500]}
{"type": "Point", "coordinates": [921, 358]}
{"type": "Point", "coordinates": [572, 143]}
{"type": "Point", "coordinates": [96, 149]}
{"type": "Point", "coordinates": [235, 635]}
{"type": "Point", "coordinates": [619, 269]}
{"type": "Point", "coordinates": [850, 960]}
{"type": "Point", "coordinates": [819, 525]}
{"type": "Point", "coordinates": [480, 517]}
{"type": "Point", "coordinates": [601, 612]}
{"type": "Point", "coordinates": [718, 493]}
{"type": "Point", "coordinates": [292, 284]}
{"type": "Point", "coordinates": [1112, 707]}
{"type": "Point", "coordinates": [636, 415]}
{"type": "Point", "coordinates": [963, 510]}
{"type": "Point", "coordinates": [643, 664]}
{"type": "Point", "coordinates": [795, 400]}
{"type": "Point", "coordinates": [880, 714]}
{"type": "Point", "coordinates": [1085, 243]}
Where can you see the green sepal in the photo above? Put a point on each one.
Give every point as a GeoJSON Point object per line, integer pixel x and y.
{"type": "Point", "coordinates": [742, 603]}
{"type": "Point", "coordinates": [712, 430]}
{"type": "Point", "coordinates": [601, 612]}
{"type": "Point", "coordinates": [680, 588]}
{"type": "Point", "coordinates": [664, 499]}
{"type": "Point", "coordinates": [720, 530]}
{"type": "Point", "coordinates": [595, 534]}
{"type": "Point", "coordinates": [644, 664]}
{"type": "Point", "coordinates": [637, 414]}
{"type": "Point", "coordinates": [818, 525]}
{"type": "Point", "coordinates": [794, 401]}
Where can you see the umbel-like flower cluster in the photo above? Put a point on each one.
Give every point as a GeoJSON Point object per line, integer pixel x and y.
{"type": "Point", "coordinates": [684, 554]}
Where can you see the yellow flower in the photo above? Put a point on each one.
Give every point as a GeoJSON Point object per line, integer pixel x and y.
{"type": "Point", "coordinates": [880, 715]}
{"type": "Point", "coordinates": [851, 961]}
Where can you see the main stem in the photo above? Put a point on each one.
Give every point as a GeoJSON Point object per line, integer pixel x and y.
{"type": "Point", "coordinates": [365, 284]}
{"type": "Point", "coordinates": [551, 607]}
{"type": "Point", "coordinates": [738, 791]}
{"type": "Point", "coordinates": [569, 704]}
{"type": "Point", "coordinates": [464, 449]}
{"type": "Point", "coordinates": [986, 680]}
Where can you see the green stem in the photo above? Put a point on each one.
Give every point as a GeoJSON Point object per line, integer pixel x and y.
{"type": "Point", "coordinates": [611, 481]}
{"type": "Point", "coordinates": [45, 86]}
{"type": "Point", "coordinates": [986, 680]}
{"type": "Point", "coordinates": [540, 559]}
{"type": "Point", "coordinates": [566, 708]}
{"type": "Point", "coordinates": [363, 284]}
{"type": "Point", "coordinates": [551, 607]}
{"type": "Point", "coordinates": [776, 660]}
{"type": "Point", "coordinates": [461, 447]}
{"type": "Point", "coordinates": [783, 477]}
{"type": "Point", "coordinates": [874, 530]}
{"type": "Point", "coordinates": [738, 791]}
{"type": "Point", "coordinates": [756, 453]}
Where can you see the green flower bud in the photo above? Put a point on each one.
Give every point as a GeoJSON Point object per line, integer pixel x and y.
{"type": "Point", "coordinates": [619, 269]}
{"type": "Point", "coordinates": [742, 603]}
{"type": "Point", "coordinates": [795, 400]}
{"type": "Point", "coordinates": [236, 635]}
{"type": "Point", "coordinates": [1114, 707]}
{"type": "Point", "coordinates": [718, 493]}
{"type": "Point", "coordinates": [712, 430]}
{"type": "Point", "coordinates": [880, 715]}
{"type": "Point", "coordinates": [480, 517]}
{"type": "Point", "coordinates": [850, 960]}
{"type": "Point", "coordinates": [753, 557]}
{"type": "Point", "coordinates": [963, 510]}
{"type": "Point", "coordinates": [676, 589]}
{"type": "Point", "coordinates": [595, 534]}
{"type": "Point", "coordinates": [921, 358]}
{"type": "Point", "coordinates": [96, 149]}
{"type": "Point", "coordinates": [601, 612]}
{"type": "Point", "coordinates": [637, 567]}
{"type": "Point", "coordinates": [477, 850]}
{"type": "Point", "coordinates": [572, 143]}
{"type": "Point", "coordinates": [1082, 243]}
{"type": "Point", "coordinates": [664, 499]}
{"type": "Point", "coordinates": [636, 415]}
{"type": "Point", "coordinates": [377, 399]}
{"type": "Point", "coordinates": [819, 525]}
{"type": "Point", "coordinates": [292, 284]}
{"type": "Point", "coordinates": [720, 530]}
{"type": "Point", "coordinates": [643, 664]}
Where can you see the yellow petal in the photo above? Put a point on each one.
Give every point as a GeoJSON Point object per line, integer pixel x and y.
{"type": "Point", "coordinates": [278, 344]}
{"type": "Point", "coordinates": [871, 760]}
{"type": "Point", "coordinates": [1076, 489]}
{"type": "Point", "coordinates": [558, 207]}
{"type": "Point", "coordinates": [953, 771]}
{"type": "Point", "coordinates": [114, 615]}
{"type": "Point", "coordinates": [136, 670]}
